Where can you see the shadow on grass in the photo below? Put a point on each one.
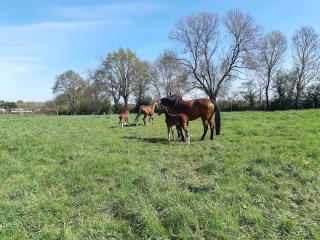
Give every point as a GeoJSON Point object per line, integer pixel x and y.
{"type": "Point", "coordinates": [148, 140]}
{"type": "Point", "coordinates": [125, 126]}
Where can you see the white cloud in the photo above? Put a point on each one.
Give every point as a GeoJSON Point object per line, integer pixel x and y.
{"type": "Point", "coordinates": [4, 59]}
{"type": "Point", "coordinates": [32, 54]}
{"type": "Point", "coordinates": [108, 11]}
{"type": "Point", "coordinates": [48, 27]}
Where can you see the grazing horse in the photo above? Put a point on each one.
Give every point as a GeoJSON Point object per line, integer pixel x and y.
{"type": "Point", "coordinates": [199, 108]}
{"type": "Point", "coordinates": [124, 118]}
{"type": "Point", "coordinates": [179, 120]}
{"type": "Point", "coordinates": [146, 111]}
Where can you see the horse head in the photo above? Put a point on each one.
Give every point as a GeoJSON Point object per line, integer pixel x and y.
{"type": "Point", "coordinates": [162, 109]}
{"type": "Point", "coordinates": [167, 101]}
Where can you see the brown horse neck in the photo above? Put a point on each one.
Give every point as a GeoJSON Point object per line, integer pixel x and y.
{"type": "Point", "coordinates": [153, 106]}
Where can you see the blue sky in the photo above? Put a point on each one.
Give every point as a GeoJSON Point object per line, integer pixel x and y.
{"type": "Point", "coordinates": [40, 38]}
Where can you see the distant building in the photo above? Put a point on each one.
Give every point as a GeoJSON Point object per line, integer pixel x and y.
{"type": "Point", "coordinates": [2, 110]}
{"type": "Point", "coordinates": [20, 111]}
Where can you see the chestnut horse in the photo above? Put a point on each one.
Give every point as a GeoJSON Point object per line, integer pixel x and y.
{"type": "Point", "coordinates": [146, 111]}
{"type": "Point", "coordinates": [199, 108]}
{"type": "Point", "coordinates": [181, 121]}
{"type": "Point", "coordinates": [124, 118]}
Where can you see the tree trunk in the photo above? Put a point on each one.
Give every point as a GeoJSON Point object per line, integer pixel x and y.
{"type": "Point", "coordinates": [116, 106]}
{"type": "Point", "coordinates": [267, 90]}
{"type": "Point", "coordinates": [267, 99]}
{"type": "Point", "coordinates": [126, 105]}
{"type": "Point", "coordinates": [297, 99]}
{"type": "Point", "coordinates": [212, 96]}
{"type": "Point", "coordinates": [71, 104]}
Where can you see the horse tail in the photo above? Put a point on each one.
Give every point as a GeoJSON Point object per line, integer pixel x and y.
{"type": "Point", "coordinates": [217, 118]}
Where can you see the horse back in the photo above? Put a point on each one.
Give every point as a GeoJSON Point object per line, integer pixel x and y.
{"type": "Point", "coordinates": [201, 107]}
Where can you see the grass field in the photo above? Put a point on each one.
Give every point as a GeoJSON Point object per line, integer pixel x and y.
{"type": "Point", "coordinates": [82, 177]}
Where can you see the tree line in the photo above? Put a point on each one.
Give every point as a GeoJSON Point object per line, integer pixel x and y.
{"type": "Point", "coordinates": [212, 54]}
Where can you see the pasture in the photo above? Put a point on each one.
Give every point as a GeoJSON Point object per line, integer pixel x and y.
{"type": "Point", "coordinates": [83, 177]}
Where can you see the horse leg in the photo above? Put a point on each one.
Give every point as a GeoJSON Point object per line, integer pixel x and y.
{"type": "Point", "coordinates": [144, 120]}
{"type": "Point", "coordinates": [186, 130]}
{"type": "Point", "coordinates": [178, 132]}
{"type": "Point", "coordinates": [152, 119]}
{"type": "Point", "coordinates": [205, 129]}
{"type": "Point", "coordinates": [169, 131]}
{"type": "Point", "coordinates": [211, 127]}
{"type": "Point", "coordinates": [172, 133]}
{"type": "Point", "coordinates": [181, 134]}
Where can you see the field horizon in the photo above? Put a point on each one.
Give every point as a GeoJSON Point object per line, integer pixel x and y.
{"type": "Point", "coordinates": [83, 177]}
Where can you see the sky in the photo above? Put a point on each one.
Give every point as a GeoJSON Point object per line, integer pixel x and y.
{"type": "Point", "coordinates": [40, 39]}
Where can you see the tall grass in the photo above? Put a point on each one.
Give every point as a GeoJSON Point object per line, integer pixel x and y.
{"type": "Point", "coordinates": [82, 177]}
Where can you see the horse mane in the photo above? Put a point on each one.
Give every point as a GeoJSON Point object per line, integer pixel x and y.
{"type": "Point", "coordinates": [169, 101]}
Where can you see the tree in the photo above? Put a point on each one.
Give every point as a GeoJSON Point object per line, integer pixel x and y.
{"type": "Point", "coordinates": [107, 85]}
{"type": "Point", "coordinates": [306, 55]}
{"type": "Point", "coordinates": [249, 92]}
{"type": "Point", "coordinates": [284, 85]}
{"type": "Point", "coordinates": [120, 69]}
{"type": "Point", "coordinates": [272, 48]}
{"type": "Point", "coordinates": [142, 83]}
{"type": "Point", "coordinates": [171, 78]}
{"type": "Point", "coordinates": [103, 88]}
{"type": "Point", "coordinates": [69, 84]}
{"type": "Point", "coordinates": [313, 96]}
{"type": "Point", "coordinates": [199, 38]}
{"type": "Point", "coordinates": [7, 105]}
{"type": "Point", "coordinates": [95, 98]}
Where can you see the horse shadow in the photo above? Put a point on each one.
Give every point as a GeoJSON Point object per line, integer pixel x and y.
{"type": "Point", "coordinates": [125, 126]}
{"type": "Point", "coordinates": [147, 139]}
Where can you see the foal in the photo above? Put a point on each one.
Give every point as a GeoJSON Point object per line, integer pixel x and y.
{"type": "Point", "coordinates": [179, 120]}
{"type": "Point", "coordinates": [146, 111]}
{"type": "Point", "coordinates": [124, 118]}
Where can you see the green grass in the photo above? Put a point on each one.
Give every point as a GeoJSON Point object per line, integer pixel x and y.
{"type": "Point", "coordinates": [82, 177]}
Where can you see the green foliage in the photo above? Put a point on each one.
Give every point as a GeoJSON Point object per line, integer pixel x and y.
{"type": "Point", "coordinates": [83, 177]}
{"type": "Point", "coordinates": [69, 86]}
{"type": "Point", "coordinates": [7, 105]}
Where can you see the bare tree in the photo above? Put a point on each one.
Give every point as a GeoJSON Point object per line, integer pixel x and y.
{"type": "Point", "coordinates": [249, 92]}
{"type": "Point", "coordinates": [171, 78]}
{"type": "Point", "coordinates": [120, 68]}
{"type": "Point", "coordinates": [107, 84]}
{"type": "Point", "coordinates": [306, 55]}
{"type": "Point", "coordinates": [69, 84]}
{"type": "Point", "coordinates": [199, 38]}
{"type": "Point", "coordinates": [142, 81]}
{"type": "Point", "coordinates": [96, 94]}
{"type": "Point", "coordinates": [272, 48]}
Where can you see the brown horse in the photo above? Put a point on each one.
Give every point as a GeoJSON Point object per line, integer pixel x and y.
{"type": "Point", "coordinates": [181, 121]}
{"type": "Point", "coordinates": [124, 118]}
{"type": "Point", "coordinates": [202, 107]}
{"type": "Point", "coordinates": [146, 111]}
